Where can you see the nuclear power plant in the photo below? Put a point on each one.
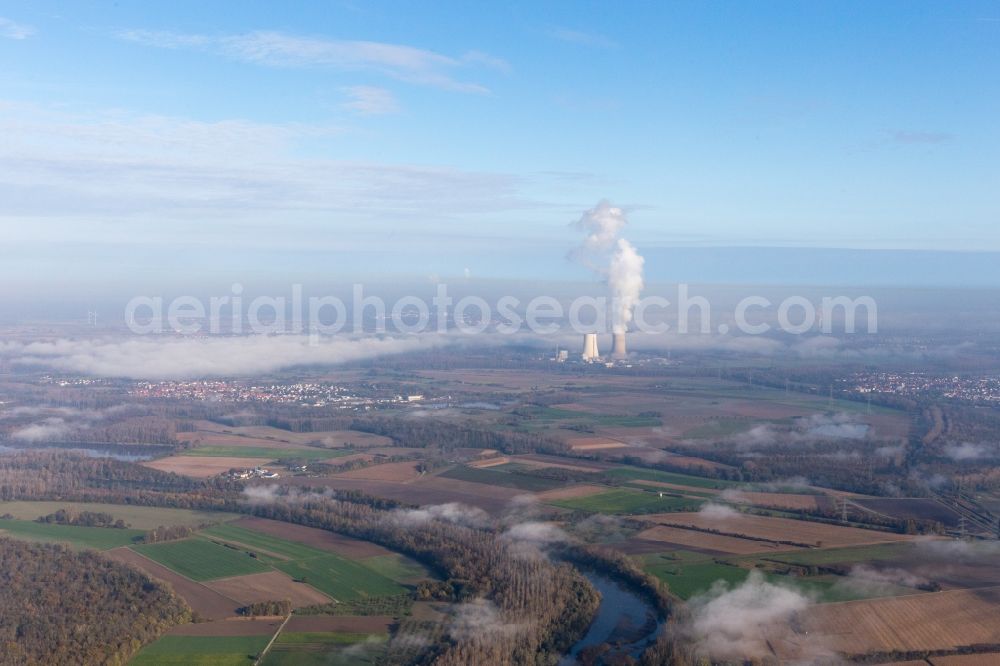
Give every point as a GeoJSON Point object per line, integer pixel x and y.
{"type": "Point", "coordinates": [590, 353]}
{"type": "Point", "coordinates": [618, 346]}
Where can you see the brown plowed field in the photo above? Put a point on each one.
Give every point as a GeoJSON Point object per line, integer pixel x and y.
{"type": "Point", "coordinates": [714, 542]}
{"type": "Point", "coordinates": [780, 529]}
{"type": "Point", "coordinates": [425, 490]}
{"type": "Point", "coordinates": [779, 500]}
{"type": "Point", "coordinates": [571, 492]}
{"type": "Point", "coordinates": [934, 621]}
{"type": "Point", "coordinates": [202, 467]}
{"type": "Point", "coordinates": [206, 602]}
{"type": "Point", "coordinates": [239, 626]}
{"type": "Point", "coordinates": [312, 536]}
{"type": "Point", "coordinates": [400, 472]}
{"type": "Point", "coordinates": [268, 586]}
{"type": "Point", "coordinates": [369, 624]}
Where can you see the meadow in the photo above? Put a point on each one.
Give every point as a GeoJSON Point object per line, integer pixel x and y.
{"type": "Point", "coordinates": [98, 538]}
{"type": "Point", "coordinates": [201, 651]}
{"type": "Point", "coordinates": [137, 517]}
{"type": "Point", "coordinates": [200, 559]}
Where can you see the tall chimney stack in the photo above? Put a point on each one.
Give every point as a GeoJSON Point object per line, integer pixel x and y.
{"type": "Point", "coordinates": [590, 352]}
{"type": "Point", "coordinates": [618, 346]}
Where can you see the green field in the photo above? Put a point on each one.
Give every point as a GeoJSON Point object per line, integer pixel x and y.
{"type": "Point", "coordinates": [340, 578]}
{"type": "Point", "coordinates": [688, 574]}
{"type": "Point", "coordinates": [634, 473]}
{"type": "Point", "coordinates": [138, 517]}
{"type": "Point", "coordinates": [504, 478]}
{"type": "Point", "coordinates": [200, 559]}
{"type": "Point", "coordinates": [626, 501]}
{"type": "Point", "coordinates": [398, 568]}
{"type": "Point", "coordinates": [322, 648]}
{"type": "Point", "coordinates": [264, 542]}
{"type": "Point", "coordinates": [264, 452]}
{"type": "Point", "coordinates": [99, 538]}
{"type": "Point", "coordinates": [201, 651]}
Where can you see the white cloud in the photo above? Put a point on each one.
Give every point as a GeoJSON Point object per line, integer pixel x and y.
{"type": "Point", "coordinates": [13, 30]}
{"type": "Point", "coordinates": [50, 429]}
{"type": "Point", "coordinates": [278, 49]}
{"type": "Point", "coordinates": [180, 358]}
{"type": "Point", "coordinates": [370, 100]}
{"type": "Point", "coordinates": [732, 624]}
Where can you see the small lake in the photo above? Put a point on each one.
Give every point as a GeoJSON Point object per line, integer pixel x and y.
{"type": "Point", "coordinates": [624, 619]}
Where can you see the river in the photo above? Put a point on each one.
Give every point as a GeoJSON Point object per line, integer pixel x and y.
{"type": "Point", "coordinates": [624, 620]}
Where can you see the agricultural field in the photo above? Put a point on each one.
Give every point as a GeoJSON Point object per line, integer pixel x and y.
{"type": "Point", "coordinates": [137, 517]}
{"type": "Point", "coordinates": [779, 529]}
{"type": "Point", "coordinates": [496, 477]}
{"type": "Point", "coordinates": [625, 501]}
{"type": "Point", "coordinates": [686, 480]}
{"type": "Point", "coordinates": [898, 624]}
{"type": "Point", "coordinates": [201, 467]}
{"type": "Point", "coordinates": [200, 559]}
{"type": "Point", "coordinates": [201, 651]}
{"type": "Point", "coordinates": [265, 452]}
{"type": "Point", "coordinates": [97, 538]}
{"type": "Point", "coordinates": [339, 578]}
{"type": "Point", "coordinates": [315, 648]}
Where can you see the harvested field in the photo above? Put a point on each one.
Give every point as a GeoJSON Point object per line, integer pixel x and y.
{"type": "Point", "coordinates": [137, 517]}
{"type": "Point", "coordinates": [594, 443]}
{"type": "Point", "coordinates": [400, 472]}
{"type": "Point", "coordinates": [317, 538]}
{"type": "Point", "coordinates": [779, 529]}
{"type": "Point", "coordinates": [237, 626]}
{"type": "Point", "coordinates": [367, 624]}
{"type": "Point", "coordinates": [543, 460]}
{"type": "Point", "coordinates": [489, 462]}
{"type": "Point", "coordinates": [680, 537]}
{"type": "Point", "coordinates": [779, 500]}
{"type": "Point", "coordinates": [572, 492]}
{"type": "Point", "coordinates": [201, 467]}
{"type": "Point", "coordinates": [269, 586]}
{"type": "Point", "coordinates": [907, 623]}
{"type": "Point", "coordinates": [206, 602]}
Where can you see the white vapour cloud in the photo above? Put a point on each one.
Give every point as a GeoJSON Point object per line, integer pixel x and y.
{"type": "Point", "coordinates": [731, 624]}
{"type": "Point", "coordinates": [969, 451]}
{"type": "Point", "coordinates": [54, 428]}
{"type": "Point", "coordinates": [189, 357]}
{"type": "Point", "coordinates": [479, 619]}
{"type": "Point", "coordinates": [452, 512]}
{"type": "Point", "coordinates": [611, 257]}
{"type": "Point", "coordinates": [530, 539]}
{"type": "Point", "coordinates": [866, 580]}
{"type": "Point", "coordinates": [720, 512]}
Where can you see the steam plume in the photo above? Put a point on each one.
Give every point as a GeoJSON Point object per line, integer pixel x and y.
{"type": "Point", "coordinates": [613, 258]}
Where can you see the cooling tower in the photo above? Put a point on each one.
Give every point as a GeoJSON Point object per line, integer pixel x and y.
{"type": "Point", "coordinates": [590, 347]}
{"type": "Point", "coordinates": [618, 345]}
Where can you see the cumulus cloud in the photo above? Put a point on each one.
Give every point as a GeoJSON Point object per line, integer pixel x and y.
{"type": "Point", "coordinates": [732, 624]}
{"type": "Point", "coordinates": [190, 357]}
{"type": "Point", "coordinates": [451, 512]}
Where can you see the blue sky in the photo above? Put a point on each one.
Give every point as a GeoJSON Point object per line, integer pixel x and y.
{"type": "Point", "coordinates": [147, 140]}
